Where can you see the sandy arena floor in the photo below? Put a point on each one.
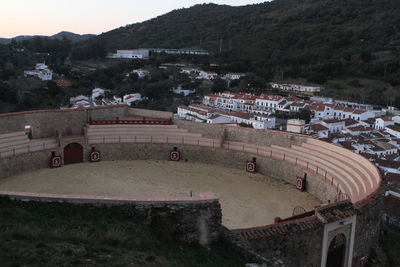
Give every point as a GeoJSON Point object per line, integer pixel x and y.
{"type": "Point", "coordinates": [247, 199]}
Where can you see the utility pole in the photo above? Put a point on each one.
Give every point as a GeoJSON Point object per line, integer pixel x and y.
{"type": "Point", "coordinates": [220, 45]}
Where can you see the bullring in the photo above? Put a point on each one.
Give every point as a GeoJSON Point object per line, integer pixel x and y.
{"type": "Point", "coordinates": [346, 183]}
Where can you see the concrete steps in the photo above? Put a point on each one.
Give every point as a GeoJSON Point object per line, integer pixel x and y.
{"type": "Point", "coordinates": [16, 143]}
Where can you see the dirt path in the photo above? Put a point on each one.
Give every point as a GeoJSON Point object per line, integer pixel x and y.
{"type": "Point", "coordinates": [247, 199]}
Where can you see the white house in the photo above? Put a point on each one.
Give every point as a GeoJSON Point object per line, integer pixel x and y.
{"type": "Point", "coordinates": [321, 111]}
{"type": "Point", "coordinates": [185, 92]}
{"type": "Point", "coordinates": [297, 106]}
{"type": "Point", "coordinates": [381, 123]}
{"type": "Point", "coordinates": [219, 119]}
{"type": "Point", "coordinates": [295, 126]}
{"type": "Point", "coordinates": [393, 130]}
{"type": "Point", "coordinates": [396, 119]}
{"type": "Point", "coordinates": [233, 76]}
{"type": "Point", "coordinates": [97, 92]}
{"type": "Point", "coordinates": [230, 101]}
{"type": "Point", "coordinates": [357, 130]}
{"type": "Point", "coordinates": [132, 98]}
{"type": "Point", "coordinates": [79, 101]}
{"type": "Point", "coordinates": [319, 130]}
{"type": "Point", "coordinates": [341, 113]}
{"type": "Point", "coordinates": [192, 113]}
{"type": "Point", "coordinates": [141, 73]}
{"type": "Point", "coordinates": [207, 75]}
{"type": "Point", "coordinates": [190, 70]}
{"type": "Point", "coordinates": [256, 121]}
{"type": "Point", "coordinates": [41, 71]}
{"type": "Point", "coordinates": [333, 125]}
{"type": "Point", "coordinates": [268, 102]}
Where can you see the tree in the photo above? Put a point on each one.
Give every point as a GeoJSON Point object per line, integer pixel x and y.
{"type": "Point", "coordinates": [305, 114]}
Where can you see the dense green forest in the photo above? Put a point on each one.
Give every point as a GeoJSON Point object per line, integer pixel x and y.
{"type": "Point", "coordinates": [314, 39]}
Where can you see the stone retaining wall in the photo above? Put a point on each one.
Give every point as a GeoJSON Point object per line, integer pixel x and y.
{"type": "Point", "coordinates": [187, 220]}
{"type": "Point", "coordinates": [45, 123]}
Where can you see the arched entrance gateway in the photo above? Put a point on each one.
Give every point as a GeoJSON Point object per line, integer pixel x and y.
{"type": "Point", "coordinates": [73, 153]}
{"type": "Point", "coordinates": [337, 251]}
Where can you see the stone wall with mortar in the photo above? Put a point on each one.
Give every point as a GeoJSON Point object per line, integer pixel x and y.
{"type": "Point", "coordinates": [300, 246]}
{"type": "Point", "coordinates": [149, 113]}
{"type": "Point", "coordinates": [242, 134]}
{"type": "Point", "coordinates": [188, 220]}
{"type": "Point", "coordinates": [45, 123]}
{"type": "Point", "coordinates": [368, 226]}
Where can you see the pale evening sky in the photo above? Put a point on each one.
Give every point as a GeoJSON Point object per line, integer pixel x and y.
{"type": "Point", "coordinates": [47, 17]}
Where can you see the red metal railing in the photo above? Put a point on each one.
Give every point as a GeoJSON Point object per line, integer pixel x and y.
{"type": "Point", "coordinates": [118, 121]}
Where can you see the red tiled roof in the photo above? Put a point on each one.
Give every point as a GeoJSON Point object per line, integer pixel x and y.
{"type": "Point", "coordinates": [318, 127]}
{"type": "Point", "coordinates": [317, 107]}
{"type": "Point", "coordinates": [336, 211]}
{"type": "Point", "coordinates": [293, 226]}
{"type": "Point", "coordinates": [359, 111]}
{"type": "Point", "coordinates": [359, 128]}
{"type": "Point", "coordinates": [242, 115]}
{"type": "Point", "coordinates": [394, 128]}
{"type": "Point", "coordinates": [386, 119]}
{"type": "Point", "coordinates": [270, 97]}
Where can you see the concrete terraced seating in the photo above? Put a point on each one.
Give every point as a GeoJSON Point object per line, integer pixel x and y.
{"type": "Point", "coordinates": [351, 173]}
{"type": "Point", "coordinates": [365, 172]}
{"type": "Point", "coordinates": [15, 143]}
{"type": "Point", "coordinates": [170, 134]}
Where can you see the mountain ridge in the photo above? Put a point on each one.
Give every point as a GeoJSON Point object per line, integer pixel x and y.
{"type": "Point", "coordinates": [74, 37]}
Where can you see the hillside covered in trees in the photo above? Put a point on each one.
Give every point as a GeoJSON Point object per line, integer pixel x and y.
{"type": "Point", "coordinates": [316, 40]}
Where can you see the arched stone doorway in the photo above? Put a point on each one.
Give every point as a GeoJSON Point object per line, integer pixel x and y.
{"type": "Point", "coordinates": [337, 251]}
{"type": "Point", "coordinates": [73, 153]}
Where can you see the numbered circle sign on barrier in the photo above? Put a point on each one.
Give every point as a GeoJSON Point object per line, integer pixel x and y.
{"type": "Point", "coordinates": [174, 156]}
{"type": "Point", "coordinates": [300, 183]}
{"type": "Point", "coordinates": [251, 166]}
{"type": "Point", "coordinates": [55, 162]}
{"type": "Point", "coordinates": [94, 156]}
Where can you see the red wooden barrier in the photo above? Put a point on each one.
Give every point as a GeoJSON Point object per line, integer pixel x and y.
{"type": "Point", "coordinates": [118, 121]}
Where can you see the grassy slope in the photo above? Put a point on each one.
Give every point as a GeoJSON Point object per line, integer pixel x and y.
{"type": "Point", "coordinates": [38, 234]}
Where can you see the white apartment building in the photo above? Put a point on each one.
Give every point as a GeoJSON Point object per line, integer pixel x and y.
{"type": "Point", "coordinates": [296, 87]}
{"type": "Point", "coordinates": [268, 102]}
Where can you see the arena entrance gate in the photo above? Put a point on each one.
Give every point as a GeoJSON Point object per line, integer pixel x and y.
{"type": "Point", "coordinates": [73, 153]}
{"type": "Point", "coordinates": [337, 251]}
